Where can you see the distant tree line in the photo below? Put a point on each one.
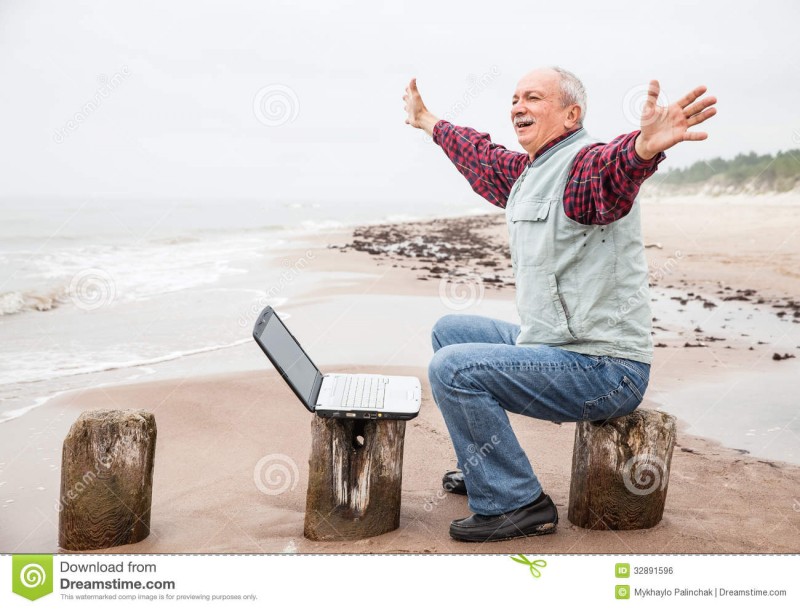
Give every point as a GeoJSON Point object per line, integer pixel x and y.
{"type": "Point", "coordinates": [744, 173]}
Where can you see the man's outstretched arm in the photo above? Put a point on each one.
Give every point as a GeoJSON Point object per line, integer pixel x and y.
{"type": "Point", "coordinates": [606, 178]}
{"type": "Point", "coordinates": [490, 168]}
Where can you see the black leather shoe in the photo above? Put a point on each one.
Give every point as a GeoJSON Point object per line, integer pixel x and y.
{"type": "Point", "coordinates": [537, 518]}
{"type": "Point", "coordinates": [453, 482]}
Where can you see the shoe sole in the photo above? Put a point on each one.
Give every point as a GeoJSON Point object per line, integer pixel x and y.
{"type": "Point", "coordinates": [454, 488]}
{"type": "Point", "coordinates": [544, 529]}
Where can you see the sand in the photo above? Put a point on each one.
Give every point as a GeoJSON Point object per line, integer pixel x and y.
{"type": "Point", "coordinates": [215, 430]}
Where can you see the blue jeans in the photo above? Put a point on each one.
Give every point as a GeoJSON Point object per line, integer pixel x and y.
{"type": "Point", "coordinates": [478, 373]}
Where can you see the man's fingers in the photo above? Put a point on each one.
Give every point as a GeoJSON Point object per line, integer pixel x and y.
{"type": "Point", "coordinates": [414, 84]}
{"type": "Point", "coordinates": [699, 106]}
{"type": "Point", "coordinates": [694, 136]}
{"type": "Point", "coordinates": [702, 116]}
{"type": "Point", "coordinates": [653, 90]}
{"type": "Point", "coordinates": [691, 96]}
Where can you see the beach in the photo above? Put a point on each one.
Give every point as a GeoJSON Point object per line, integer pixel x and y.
{"type": "Point", "coordinates": [725, 288]}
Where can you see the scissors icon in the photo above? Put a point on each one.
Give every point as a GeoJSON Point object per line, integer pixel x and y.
{"type": "Point", "coordinates": [531, 564]}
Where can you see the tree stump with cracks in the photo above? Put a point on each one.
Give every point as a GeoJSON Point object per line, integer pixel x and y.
{"type": "Point", "coordinates": [107, 479]}
{"type": "Point", "coordinates": [355, 475]}
{"type": "Point", "coordinates": [620, 471]}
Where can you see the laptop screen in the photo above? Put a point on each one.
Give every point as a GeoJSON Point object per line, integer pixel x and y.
{"type": "Point", "coordinates": [288, 355]}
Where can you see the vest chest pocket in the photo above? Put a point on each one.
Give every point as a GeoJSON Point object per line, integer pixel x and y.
{"type": "Point", "coordinates": [528, 235]}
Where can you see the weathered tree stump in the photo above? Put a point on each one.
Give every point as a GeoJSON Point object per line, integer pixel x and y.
{"type": "Point", "coordinates": [107, 479]}
{"type": "Point", "coordinates": [355, 474]}
{"type": "Point", "coordinates": [620, 471]}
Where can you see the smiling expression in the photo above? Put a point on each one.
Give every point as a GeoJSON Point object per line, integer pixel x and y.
{"type": "Point", "coordinates": [537, 112]}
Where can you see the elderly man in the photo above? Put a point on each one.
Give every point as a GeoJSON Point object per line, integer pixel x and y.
{"type": "Point", "coordinates": [583, 348]}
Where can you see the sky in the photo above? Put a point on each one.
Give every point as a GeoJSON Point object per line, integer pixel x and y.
{"type": "Point", "coordinates": [286, 101]}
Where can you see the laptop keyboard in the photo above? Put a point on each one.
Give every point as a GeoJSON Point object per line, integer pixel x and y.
{"type": "Point", "coordinates": [360, 391]}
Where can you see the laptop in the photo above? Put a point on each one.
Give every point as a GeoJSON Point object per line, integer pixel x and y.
{"type": "Point", "coordinates": [356, 396]}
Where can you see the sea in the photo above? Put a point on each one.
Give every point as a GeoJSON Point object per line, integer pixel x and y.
{"type": "Point", "coordinates": [119, 286]}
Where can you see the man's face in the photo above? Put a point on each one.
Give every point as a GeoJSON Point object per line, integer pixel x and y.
{"type": "Point", "coordinates": [536, 111]}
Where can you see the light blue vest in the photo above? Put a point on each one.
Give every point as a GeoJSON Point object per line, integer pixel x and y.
{"type": "Point", "coordinates": [582, 288]}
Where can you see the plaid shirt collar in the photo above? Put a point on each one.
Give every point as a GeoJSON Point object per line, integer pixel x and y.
{"type": "Point", "coordinates": [552, 143]}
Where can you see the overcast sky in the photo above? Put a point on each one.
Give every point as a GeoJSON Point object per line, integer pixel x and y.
{"type": "Point", "coordinates": [302, 100]}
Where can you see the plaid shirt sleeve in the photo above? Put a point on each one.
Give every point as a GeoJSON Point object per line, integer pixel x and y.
{"type": "Point", "coordinates": [605, 179]}
{"type": "Point", "coordinates": [490, 168]}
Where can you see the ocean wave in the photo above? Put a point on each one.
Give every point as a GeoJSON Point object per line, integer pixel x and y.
{"type": "Point", "coordinates": [19, 302]}
{"type": "Point", "coordinates": [10, 415]}
{"type": "Point", "coordinates": [104, 273]}
{"type": "Point", "coordinates": [97, 367]}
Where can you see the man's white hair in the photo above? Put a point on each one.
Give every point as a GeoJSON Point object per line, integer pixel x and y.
{"type": "Point", "coordinates": [572, 90]}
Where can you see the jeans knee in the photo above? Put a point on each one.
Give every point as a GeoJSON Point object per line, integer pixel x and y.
{"type": "Point", "coordinates": [435, 367]}
{"type": "Point", "coordinates": [441, 329]}
{"type": "Point", "coordinates": [442, 366]}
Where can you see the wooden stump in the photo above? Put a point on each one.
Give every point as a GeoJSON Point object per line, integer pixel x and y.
{"type": "Point", "coordinates": [355, 474]}
{"type": "Point", "coordinates": [620, 471]}
{"type": "Point", "coordinates": [107, 479]}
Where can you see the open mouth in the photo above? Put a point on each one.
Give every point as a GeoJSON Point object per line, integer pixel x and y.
{"type": "Point", "coordinates": [521, 122]}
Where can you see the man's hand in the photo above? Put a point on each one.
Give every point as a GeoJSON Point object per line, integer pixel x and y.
{"type": "Point", "coordinates": [663, 127]}
{"type": "Point", "coordinates": [418, 115]}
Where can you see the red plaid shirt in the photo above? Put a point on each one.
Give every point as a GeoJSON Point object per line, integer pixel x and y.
{"type": "Point", "coordinates": [603, 182]}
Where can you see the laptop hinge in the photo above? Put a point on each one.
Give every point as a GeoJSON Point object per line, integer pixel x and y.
{"type": "Point", "coordinates": [315, 390]}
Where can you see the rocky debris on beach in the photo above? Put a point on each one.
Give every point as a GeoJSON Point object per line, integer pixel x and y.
{"type": "Point", "coordinates": [458, 250]}
{"type": "Point", "coordinates": [787, 309]}
{"type": "Point", "coordinates": [778, 357]}
{"type": "Point", "coordinates": [744, 295]}
{"type": "Point", "coordinates": [474, 250]}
